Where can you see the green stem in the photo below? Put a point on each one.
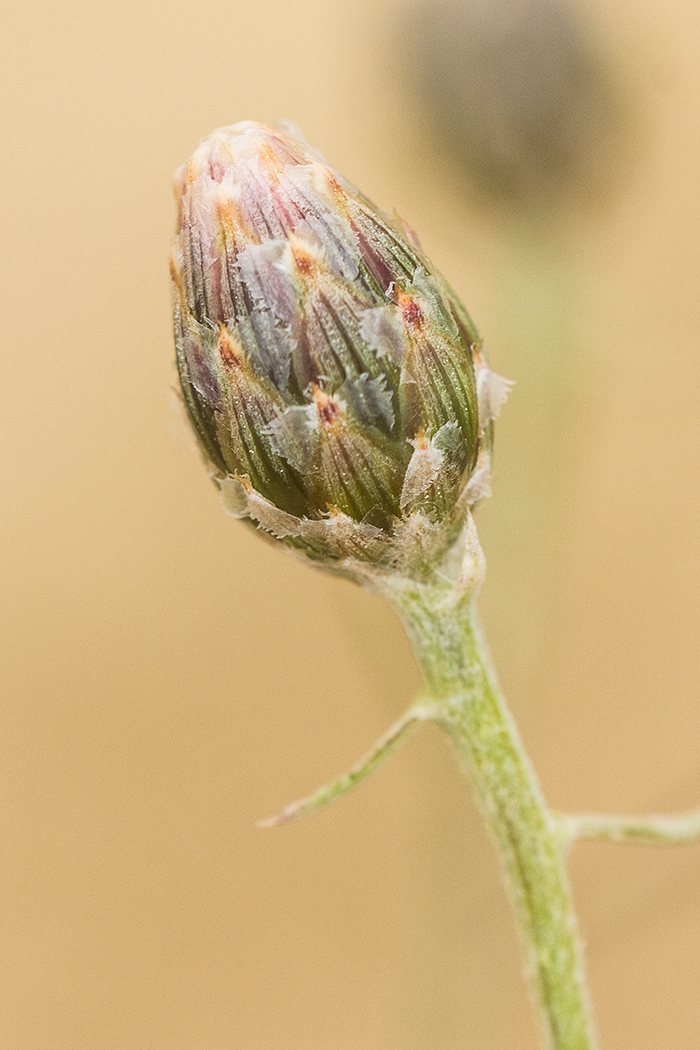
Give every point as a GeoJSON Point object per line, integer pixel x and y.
{"type": "Point", "coordinates": [443, 628]}
{"type": "Point", "coordinates": [378, 753]}
{"type": "Point", "coordinates": [677, 829]}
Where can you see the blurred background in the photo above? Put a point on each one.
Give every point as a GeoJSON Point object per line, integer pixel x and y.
{"type": "Point", "coordinates": [168, 679]}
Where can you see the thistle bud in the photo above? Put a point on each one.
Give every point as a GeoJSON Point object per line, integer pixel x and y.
{"type": "Point", "coordinates": [334, 381]}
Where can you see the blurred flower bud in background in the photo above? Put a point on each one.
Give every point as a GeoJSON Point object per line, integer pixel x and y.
{"type": "Point", "coordinates": [334, 381]}
{"type": "Point", "coordinates": [519, 91]}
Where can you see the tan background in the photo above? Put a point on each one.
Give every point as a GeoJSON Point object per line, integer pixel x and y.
{"type": "Point", "coordinates": [168, 679]}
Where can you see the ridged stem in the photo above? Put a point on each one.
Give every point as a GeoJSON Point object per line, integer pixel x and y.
{"type": "Point", "coordinates": [446, 637]}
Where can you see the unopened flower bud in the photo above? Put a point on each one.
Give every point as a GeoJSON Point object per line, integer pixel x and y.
{"type": "Point", "coordinates": [333, 379]}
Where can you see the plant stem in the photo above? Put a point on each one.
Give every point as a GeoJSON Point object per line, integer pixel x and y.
{"type": "Point", "coordinates": [444, 631]}
{"type": "Point", "coordinates": [676, 829]}
{"type": "Point", "coordinates": [378, 753]}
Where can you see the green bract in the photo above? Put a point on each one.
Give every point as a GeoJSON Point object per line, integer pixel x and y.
{"type": "Point", "coordinates": [333, 379]}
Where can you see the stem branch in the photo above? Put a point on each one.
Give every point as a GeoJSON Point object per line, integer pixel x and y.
{"type": "Point", "coordinates": [674, 829]}
{"type": "Point", "coordinates": [375, 757]}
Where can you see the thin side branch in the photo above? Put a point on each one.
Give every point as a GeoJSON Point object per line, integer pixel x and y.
{"type": "Point", "coordinates": [385, 746]}
{"type": "Point", "coordinates": [656, 829]}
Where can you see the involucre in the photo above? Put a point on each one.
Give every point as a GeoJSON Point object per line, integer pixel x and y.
{"type": "Point", "coordinates": [334, 380]}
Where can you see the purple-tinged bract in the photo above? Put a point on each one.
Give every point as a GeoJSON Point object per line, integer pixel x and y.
{"type": "Point", "coordinates": [329, 372]}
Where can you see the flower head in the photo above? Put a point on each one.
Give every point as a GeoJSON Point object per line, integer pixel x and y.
{"type": "Point", "coordinates": [333, 379]}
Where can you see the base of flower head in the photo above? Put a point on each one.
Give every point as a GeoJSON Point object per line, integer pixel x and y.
{"type": "Point", "coordinates": [416, 552]}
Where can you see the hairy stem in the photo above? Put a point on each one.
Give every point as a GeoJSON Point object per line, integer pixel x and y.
{"type": "Point", "coordinates": [443, 629]}
{"type": "Point", "coordinates": [657, 829]}
{"type": "Point", "coordinates": [378, 754]}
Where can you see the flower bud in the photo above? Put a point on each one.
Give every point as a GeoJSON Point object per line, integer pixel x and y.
{"type": "Point", "coordinates": [333, 379]}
